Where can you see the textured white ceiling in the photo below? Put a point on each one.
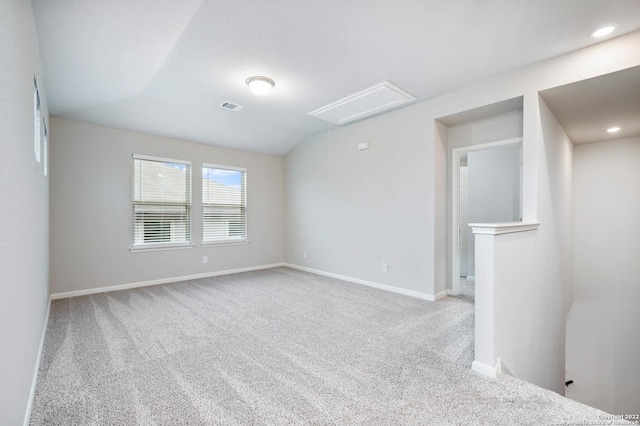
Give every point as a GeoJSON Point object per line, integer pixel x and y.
{"type": "Point", "coordinates": [163, 66]}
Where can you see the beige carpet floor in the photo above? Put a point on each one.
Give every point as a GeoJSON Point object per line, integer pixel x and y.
{"type": "Point", "coordinates": [274, 347]}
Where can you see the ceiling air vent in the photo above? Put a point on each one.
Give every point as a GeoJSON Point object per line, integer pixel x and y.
{"type": "Point", "coordinates": [231, 106]}
{"type": "Point", "coordinates": [373, 100]}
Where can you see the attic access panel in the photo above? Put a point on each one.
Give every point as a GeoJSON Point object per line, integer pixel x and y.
{"type": "Point", "coordinates": [374, 100]}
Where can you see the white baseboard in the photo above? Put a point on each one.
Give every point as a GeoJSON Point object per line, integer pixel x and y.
{"type": "Point", "coordinates": [440, 295]}
{"type": "Point", "coordinates": [484, 369]}
{"type": "Point", "coordinates": [412, 293]}
{"type": "Point", "coordinates": [34, 382]}
{"type": "Point", "coordinates": [67, 294]}
{"type": "Point", "coordinates": [406, 292]}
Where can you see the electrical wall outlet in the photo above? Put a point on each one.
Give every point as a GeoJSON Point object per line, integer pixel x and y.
{"type": "Point", "coordinates": [384, 266]}
{"type": "Point", "coordinates": [304, 254]}
{"type": "Point", "coordinates": [205, 259]}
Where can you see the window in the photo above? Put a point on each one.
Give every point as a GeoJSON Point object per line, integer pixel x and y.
{"type": "Point", "coordinates": [161, 202]}
{"type": "Point", "coordinates": [224, 204]}
{"type": "Point", "coordinates": [45, 148]}
{"type": "Point", "coordinates": [36, 119]}
{"type": "Point", "coordinates": [155, 232]}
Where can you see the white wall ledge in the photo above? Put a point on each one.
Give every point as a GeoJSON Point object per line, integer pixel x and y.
{"type": "Point", "coordinates": [503, 228]}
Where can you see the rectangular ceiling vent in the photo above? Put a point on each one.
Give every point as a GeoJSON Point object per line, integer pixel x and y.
{"type": "Point", "coordinates": [231, 106]}
{"type": "Point", "coordinates": [374, 100]}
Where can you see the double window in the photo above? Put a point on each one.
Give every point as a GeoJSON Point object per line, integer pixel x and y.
{"type": "Point", "coordinates": [224, 204]}
{"type": "Point", "coordinates": [161, 202]}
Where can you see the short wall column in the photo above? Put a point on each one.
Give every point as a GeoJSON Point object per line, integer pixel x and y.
{"type": "Point", "coordinates": [485, 292]}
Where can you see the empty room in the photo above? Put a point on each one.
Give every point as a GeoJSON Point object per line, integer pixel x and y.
{"type": "Point", "coordinates": [340, 212]}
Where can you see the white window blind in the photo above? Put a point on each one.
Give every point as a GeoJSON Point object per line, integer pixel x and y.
{"type": "Point", "coordinates": [161, 202]}
{"type": "Point", "coordinates": [224, 204]}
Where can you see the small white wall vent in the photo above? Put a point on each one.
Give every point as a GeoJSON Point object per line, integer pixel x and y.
{"type": "Point", "coordinates": [231, 106]}
{"type": "Point", "coordinates": [373, 100]}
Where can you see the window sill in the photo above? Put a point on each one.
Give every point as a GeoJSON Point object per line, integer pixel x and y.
{"type": "Point", "coordinates": [224, 243]}
{"type": "Point", "coordinates": [139, 249]}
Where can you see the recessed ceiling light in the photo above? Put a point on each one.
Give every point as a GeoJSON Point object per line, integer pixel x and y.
{"type": "Point", "coordinates": [613, 129]}
{"type": "Point", "coordinates": [603, 31]}
{"type": "Point", "coordinates": [260, 85]}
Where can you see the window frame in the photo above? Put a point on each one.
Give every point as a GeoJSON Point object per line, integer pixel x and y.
{"type": "Point", "coordinates": [37, 121]}
{"type": "Point", "coordinates": [227, 241]}
{"type": "Point", "coordinates": [45, 147]}
{"type": "Point", "coordinates": [141, 247]}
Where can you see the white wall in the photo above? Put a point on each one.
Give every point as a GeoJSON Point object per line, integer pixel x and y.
{"type": "Point", "coordinates": [91, 175]}
{"type": "Point", "coordinates": [497, 127]}
{"type": "Point", "coordinates": [390, 202]}
{"type": "Point", "coordinates": [603, 326]}
{"type": "Point", "coordinates": [534, 274]}
{"type": "Point", "coordinates": [493, 191]}
{"type": "Point", "coordinates": [24, 213]}
{"type": "Point", "coordinates": [351, 210]}
{"type": "Point", "coordinates": [493, 128]}
{"type": "Point", "coordinates": [523, 279]}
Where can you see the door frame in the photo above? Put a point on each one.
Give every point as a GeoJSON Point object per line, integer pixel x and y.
{"type": "Point", "coordinates": [456, 153]}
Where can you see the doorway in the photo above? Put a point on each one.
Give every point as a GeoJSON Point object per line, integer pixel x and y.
{"type": "Point", "coordinates": [486, 187]}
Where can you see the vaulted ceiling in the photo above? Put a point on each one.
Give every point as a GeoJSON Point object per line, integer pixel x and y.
{"type": "Point", "coordinates": [163, 66]}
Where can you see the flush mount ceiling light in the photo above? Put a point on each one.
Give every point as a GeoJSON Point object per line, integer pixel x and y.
{"type": "Point", "coordinates": [260, 85]}
{"type": "Point", "coordinates": [614, 129]}
{"type": "Point", "coordinates": [602, 31]}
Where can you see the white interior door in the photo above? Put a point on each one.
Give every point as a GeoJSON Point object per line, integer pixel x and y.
{"type": "Point", "coordinates": [462, 222]}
